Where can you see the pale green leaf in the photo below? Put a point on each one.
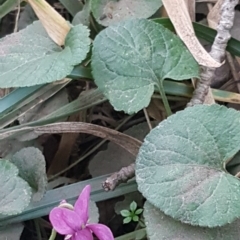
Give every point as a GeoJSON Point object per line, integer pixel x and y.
{"type": "Point", "coordinates": [132, 57]}
{"type": "Point", "coordinates": [181, 166]}
{"type": "Point", "coordinates": [15, 192]}
{"type": "Point", "coordinates": [162, 227]}
{"type": "Point", "coordinates": [125, 213]}
{"type": "Point", "coordinates": [32, 168]}
{"type": "Point", "coordinates": [133, 206]}
{"type": "Point", "coordinates": [29, 57]}
{"type": "Point", "coordinates": [108, 12]}
{"type": "Point", "coordinates": [127, 220]}
{"type": "Point", "coordinates": [139, 211]}
{"type": "Point", "coordinates": [135, 218]}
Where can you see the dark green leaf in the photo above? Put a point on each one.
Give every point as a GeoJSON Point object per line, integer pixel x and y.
{"type": "Point", "coordinates": [181, 166]}
{"type": "Point", "coordinates": [132, 57]}
{"type": "Point", "coordinates": [29, 57]}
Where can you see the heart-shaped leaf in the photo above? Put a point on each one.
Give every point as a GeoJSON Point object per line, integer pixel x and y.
{"type": "Point", "coordinates": [162, 227]}
{"type": "Point", "coordinates": [108, 12]}
{"type": "Point", "coordinates": [15, 193]}
{"type": "Point", "coordinates": [32, 168]}
{"type": "Point", "coordinates": [130, 58]}
{"type": "Point", "coordinates": [30, 57]}
{"type": "Point", "coordinates": [181, 166]}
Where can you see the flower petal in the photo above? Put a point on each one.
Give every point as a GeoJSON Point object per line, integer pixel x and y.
{"type": "Point", "coordinates": [101, 231]}
{"type": "Point", "coordinates": [81, 205]}
{"type": "Point", "coordinates": [84, 234]}
{"type": "Point", "coordinates": [65, 221]}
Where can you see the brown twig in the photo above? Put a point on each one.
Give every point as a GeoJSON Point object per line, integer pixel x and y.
{"type": "Point", "coordinates": [217, 51]}
{"type": "Point", "coordinates": [119, 177]}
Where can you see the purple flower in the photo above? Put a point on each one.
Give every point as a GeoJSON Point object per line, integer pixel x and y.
{"type": "Point", "coordinates": [74, 223]}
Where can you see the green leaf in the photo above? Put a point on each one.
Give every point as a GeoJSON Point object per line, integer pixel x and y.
{"type": "Point", "coordinates": [108, 12]}
{"type": "Point", "coordinates": [7, 6]}
{"type": "Point", "coordinates": [139, 211]}
{"type": "Point", "coordinates": [133, 206]}
{"type": "Point", "coordinates": [125, 213]}
{"type": "Point", "coordinates": [162, 227]}
{"type": "Point", "coordinates": [30, 57]}
{"type": "Point", "coordinates": [130, 58]}
{"type": "Point", "coordinates": [204, 32]}
{"type": "Point", "coordinates": [15, 192]}
{"type": "Point", "coordinates": [93, 212]}
{"type": "Point", "coordinates": [127, 220]}
{"type": "Point", "coordinates": [181, 166]}
{"type": "Point", "coordinates": [83, 16]}
{"type": "Point", "coordinates": [135, 218]}
{"type": "Point", "coordinates": [73, 6]}
{"type": "Point", "coordinates": [32, 168]}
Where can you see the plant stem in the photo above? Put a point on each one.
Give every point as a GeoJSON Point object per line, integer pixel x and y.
{"type": "Point", "coordinates": [53, 235]}
{"type": "Point", "coordinates": [164, 98]}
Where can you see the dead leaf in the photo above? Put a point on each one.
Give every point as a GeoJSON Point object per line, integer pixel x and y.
{"type": "Point", "coordinates": [131, 144]}
{"type": "Point", "coordinates": [178, 13]}
{"type": "Point", "coordinates": [56, 26]}
{"type": "Point", "coordinates": [215, 14]}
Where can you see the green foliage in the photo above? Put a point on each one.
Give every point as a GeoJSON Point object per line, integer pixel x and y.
{"type": "Point", "coordinates": [181, 166]}
{"type": "Point", "coordinates": [15, 192]}
{"type": "Point", "coordinates": [32, 168]}
{"type": "Point", "coordinates": [23, 178]}
{"type": "Point", "coordinates": [30, 57]}
{"type": "Point", "coordinates": [162, 227]}
{"type": "Point", "coordinates": [132, 214]}
{"type": "Point", "coordinates": [149, 53]}
{"type": "Point", "coordinates": [83, 16]}
{"type": "Point", "coordinates": [108, 12]}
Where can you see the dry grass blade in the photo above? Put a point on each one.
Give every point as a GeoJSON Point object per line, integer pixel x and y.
{"type": "Point", "coordinates": [129, 143]}
{"type": "Point", "coordinates": [178, 13]}
{"type": "Point", "coordinates": [55, 25]}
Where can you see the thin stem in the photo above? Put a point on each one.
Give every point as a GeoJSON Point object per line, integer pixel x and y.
{"type": "Point", "coordinates": [53, 235]}
{"type": "Point", "coordinates": [164, 99]}
{"type": "Point", "coordinates": [147, 118]}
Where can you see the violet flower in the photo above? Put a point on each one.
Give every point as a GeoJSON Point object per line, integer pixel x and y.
{"type": "Point", "coordinates": [74, 223]}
